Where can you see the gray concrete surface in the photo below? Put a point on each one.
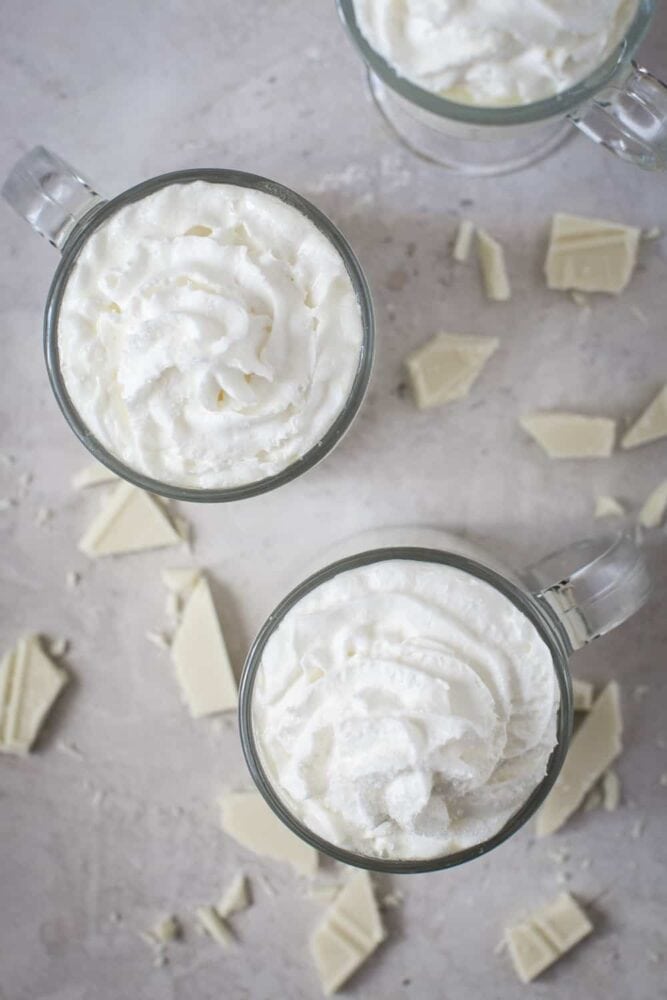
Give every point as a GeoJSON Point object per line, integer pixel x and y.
{"type": "Point", "coordinates": [94, 848]}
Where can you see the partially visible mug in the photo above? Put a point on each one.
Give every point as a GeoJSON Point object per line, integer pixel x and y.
{"type": "Point", "coordinates": [205, 318]}
{"type": "Point", "coordinates": [344, 687]}
{"type": "Point", "coordinates": [619, 105]}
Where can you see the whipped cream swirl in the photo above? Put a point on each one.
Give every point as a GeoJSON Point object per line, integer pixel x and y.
{"type": "Point", "coordinates": [209, 334]}
{"type": "Point", "coordinates": [494, 52]}
{"type": "Point", "coordinates": [405, 710]}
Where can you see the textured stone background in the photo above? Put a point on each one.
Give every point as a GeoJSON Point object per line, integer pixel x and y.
{"type": "Point", "coordinates": [128, 90]}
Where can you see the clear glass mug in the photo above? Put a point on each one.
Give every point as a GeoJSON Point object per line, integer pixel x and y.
{"type": "Point", "coordinates": [571, 597]}
{"type": "Point", "coordinates": [64, 208]}
{"type": "Point", "coordinates": [621, 106]}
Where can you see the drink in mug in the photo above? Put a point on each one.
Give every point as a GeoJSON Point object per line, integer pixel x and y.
{"type": "Point", "coordinates": [408, 708]}
{"type": "Point", "coordinates": [209, 333]}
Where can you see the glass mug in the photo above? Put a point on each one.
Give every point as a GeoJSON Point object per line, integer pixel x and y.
{"type": "Point", "coordinates": [620, 105]}
{"type": "Point", "coordinates": [63, 207]}
{"type": "Point", "coordinates": [571, 597]}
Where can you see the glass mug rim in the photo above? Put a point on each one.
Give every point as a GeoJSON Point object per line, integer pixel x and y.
{"type": "Point", "coordinates": [537, 614]}
{"type": "Point", "coordinates": [522, 114]}
{"type": "Point", "coordinates": [70, 252]}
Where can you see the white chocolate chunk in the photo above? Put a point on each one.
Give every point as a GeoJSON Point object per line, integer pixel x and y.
{"type": "Point", "coordinates": [593, 800]}
{"type": "Point", "coordinates": [184, 529]}
{"type": "Point", "coordinates": [200, 656]}
{"type": "Point", "coordinates": [248, 819]}
{"type": "Point", "coordinates": [180, 580]}
{"type": "Point", "coordinates": [29, 684]}
{"type": "Point", "coordinates": [531, 954]}
{"type": "Point", "coordinates": [166, 930]}
{"type": "Point", "coordinates": [590, 255]}
{"type": "Point", "coordinates": [608, 507]}
{"type": "Point", "coordinates": [447, 366]}
{"type": "Point", "coordinates": [130, 521]}
{"type": "Point", "coordinates": [463, 242]}
{"type": "Point", "coordinates": [653, 511]}
{"type": "Point", "coordinates": [214, 925]}
{"type": "Point", "coordinates": [326, 892]}
{"type": "Point", "coordinates": [494, 271]}
{"type": "Point", "coordinates": [595, 745]}
{"type": "Point", "coordinates": [611, 790]}
{"type": "Point", "coordinates": [350, 931]}
{"type": "Point", "coordinates": [546, 936]}
{"type": "Point", "coordinates": [651, 425]}
{"type": "Point", "coordinates": [58, 647]}
{"type": "Point", "coordinates": [570, 435]}
{"type": "Point", "coordinates": [563, 923]}
{"type": "Point", "coordinates": [582, 695]}
{"type": "Point", "coordinates": [92, 475]}
{"type": "Point", "coordinates": [158, 639]}
{"type": "Point", "coordinates": [235, 898]}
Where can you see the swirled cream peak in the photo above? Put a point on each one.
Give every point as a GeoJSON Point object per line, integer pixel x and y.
{"type": "Point", "coordinates": [494, 52]}
{"type": "Point", "coordinates": [405, 710]}
{"type": "Point", "coordinates": [209, 334]}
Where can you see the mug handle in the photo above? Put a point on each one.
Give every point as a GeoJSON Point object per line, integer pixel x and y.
{"type": "Point", "coordinates": [629, 117]}
{"type": "Point", "coordinates": [50, 194]}
{"type": "Point", "coordinates": [592, 586]}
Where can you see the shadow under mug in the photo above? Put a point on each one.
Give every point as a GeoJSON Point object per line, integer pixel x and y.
{"type": "Point", "coordinates": [620, 106]}
{"type": "Point", "coordinates": [571, 597]}
{"type": "Point", "coordinates": [64, 208]}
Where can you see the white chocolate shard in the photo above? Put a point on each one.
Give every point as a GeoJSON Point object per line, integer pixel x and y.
{"type": "Point", "coordinates": [235, 898]}
{"type": "Point", "coordinates": [590, 255]}
{"type": "Point", "coordinates": [158, 639]}
{"type": "Point", "coordinates": [594, 747]}
{"type": "Point", "coordinates": [546, 936]}
{"type": "Point", "coordinates": [608, 507]}
{"type": "Point", "coordinates": [248, 819]}
{"type": "Point", "coordinates": [166, 930]}
{"type": "Point", "coordinates": [29, 684]}
{"type": "Point", "coordinates": [571, 435]}
{"type": "Point", "coordinates": [653, 510]}
{"type": "Point", "coordinates": [350, 931]}
{"type": "Point", "coordinates": [611, 790]}
{"type": "Point", "coordinates": [593, 800]}
{"type": "Point", "coordinates": [130, 521]}
{"type": "Point", "coordinates": [463, 241]}
{"type": "Point", "coordinates": [582, 695]}
{"type": "Point", "coordinates": [326, 892]}
{"type": "Point", "coordinates": [92, 475]}
{"type": "Point", "coordinates": [651, 425]}
{"type": "Point", "coordinates": [214, 925]}
{"type": "Point", "coordinates": [492, 264]}
{"type": "Point", "coordinates": [58, 647]}
{"type": "Point", "coordinates": [180, 580]}
{"type": "Point", "coordinates": [531, 954]}
{"type": "Point", "coordinates": [447, 366]}
{"type": "Point", "coordinates": [200, 657]}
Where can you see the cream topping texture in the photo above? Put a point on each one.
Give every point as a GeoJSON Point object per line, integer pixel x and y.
{"type": "Point", "coordinates": [494, 52]}
{"type": "Point", "coordinates": [405, 710]}
{"type": "Point", "coordinates": [209, 334]}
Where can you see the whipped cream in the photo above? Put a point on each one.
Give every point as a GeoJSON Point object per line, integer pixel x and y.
{"type": "Point", "coordinates": [405, 710]}
{"type": "Point", "coordinates": [209, 334]}
{"type": "Point", "coordinates": [494, 52]}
